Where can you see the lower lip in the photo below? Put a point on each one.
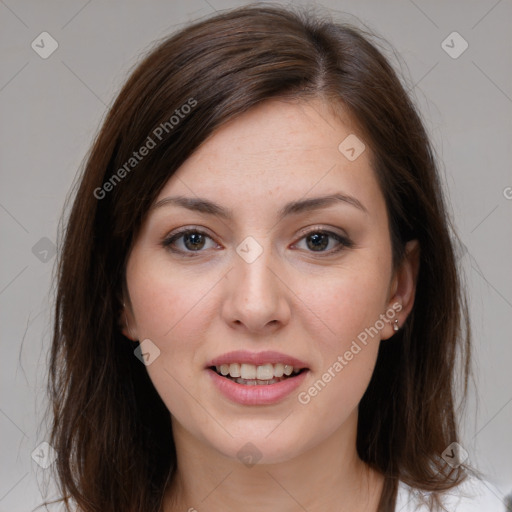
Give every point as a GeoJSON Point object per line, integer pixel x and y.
{"type": "Point", "coordinates": [259, 394]}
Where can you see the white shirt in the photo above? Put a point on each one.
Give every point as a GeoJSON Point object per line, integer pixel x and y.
{"type": "Point", "coordinates": [473, 495]}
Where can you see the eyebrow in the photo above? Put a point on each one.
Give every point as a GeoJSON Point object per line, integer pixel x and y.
{"type": "Point", "coordinates": [206, 206]}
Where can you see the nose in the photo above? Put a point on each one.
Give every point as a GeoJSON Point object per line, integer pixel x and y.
{"type": "Point", "coordinates": [257, 296]}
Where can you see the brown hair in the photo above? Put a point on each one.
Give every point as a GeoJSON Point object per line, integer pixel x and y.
{"type": "Point", "coordinates": [110, 428]}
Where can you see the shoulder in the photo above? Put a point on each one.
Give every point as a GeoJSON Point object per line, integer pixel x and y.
{"type": "Point", "coordinates": [473, 495]}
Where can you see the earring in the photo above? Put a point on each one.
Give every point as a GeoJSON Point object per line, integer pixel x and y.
{"type": "Point", "coordinates": [396, 327]}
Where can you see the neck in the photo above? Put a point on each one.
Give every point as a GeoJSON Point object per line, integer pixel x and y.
{"type": "Point", "coordinates": [329, 476]}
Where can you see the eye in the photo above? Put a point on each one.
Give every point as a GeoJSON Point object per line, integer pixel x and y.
{"type": "Point", "coordinates": [190, 241]}
{"type": "Point", "coordinates": [317, 240]}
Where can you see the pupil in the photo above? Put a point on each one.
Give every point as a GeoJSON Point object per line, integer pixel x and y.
{"type": "Point", "coordinates": [195, 238]}
{"type": "Point", "coordinates": [317, 243]}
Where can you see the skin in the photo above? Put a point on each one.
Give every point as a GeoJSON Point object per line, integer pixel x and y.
{"type": "Point", "coordinates": [305, 303]}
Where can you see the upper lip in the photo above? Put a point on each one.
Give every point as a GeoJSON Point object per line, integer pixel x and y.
{"type": "Point", "coordinates": [256, 358]}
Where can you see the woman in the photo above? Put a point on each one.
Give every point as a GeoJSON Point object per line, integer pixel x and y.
{"type": "Point", "coordinates": [258, 302]}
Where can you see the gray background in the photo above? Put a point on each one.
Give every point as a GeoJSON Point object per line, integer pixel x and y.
{"type": "Point", "coordinates": [51, 108]}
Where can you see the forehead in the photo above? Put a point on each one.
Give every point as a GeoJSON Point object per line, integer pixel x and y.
{"type": "Point", "coordinates": [279, 149]}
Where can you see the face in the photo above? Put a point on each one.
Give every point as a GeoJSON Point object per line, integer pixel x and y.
{"type": "Point", "coordinates": [295, 285]}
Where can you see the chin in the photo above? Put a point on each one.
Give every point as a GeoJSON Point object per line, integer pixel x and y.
{"type": "Point", "coordinates": [261, 443]}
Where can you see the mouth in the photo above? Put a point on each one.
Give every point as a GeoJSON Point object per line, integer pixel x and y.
{"type": "Point", "coordinates": [257, 378]}
{"type": "Point", "coordinates": [257, 375]}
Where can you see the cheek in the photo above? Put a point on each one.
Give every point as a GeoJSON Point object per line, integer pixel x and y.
{"type": "Point", "coordinates": [166, 301]}
{"type": "Point", "coordinates": [171, 309]}
{"type": "Point", "coordinates": [348, 302]}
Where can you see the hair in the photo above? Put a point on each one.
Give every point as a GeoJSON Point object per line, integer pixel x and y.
{"type": "Point", "coordinates": [109, 426]}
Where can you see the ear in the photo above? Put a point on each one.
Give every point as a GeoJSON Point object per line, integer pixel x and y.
{"type": "Point", "coordinates": [126, 319]}
{"type": "Point", "coordinates": [403, 287]}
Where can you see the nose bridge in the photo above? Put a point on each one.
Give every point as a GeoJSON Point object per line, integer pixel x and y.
{"type": "Point", "coordinates": [253, 268]}
{"type": "Point", "coordinates": [257, 296]}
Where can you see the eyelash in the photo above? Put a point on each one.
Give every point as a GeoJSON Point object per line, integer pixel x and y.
{"type": "Point", "coordinates": [343, 241]}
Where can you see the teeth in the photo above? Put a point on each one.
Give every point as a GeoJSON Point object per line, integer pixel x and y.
{"type": "Point", "coordinates": [248, 371]}
{"type": "Point", "coordinates": [256, 382]}
{"type": "Point", "coordinates": [234, 370]}
{"type": "Point", "coordinates": [265, 372]}
{"type": "Point", "coordinates": [251, 372]}
{"type": "Point", "coordinates": [278, 370]}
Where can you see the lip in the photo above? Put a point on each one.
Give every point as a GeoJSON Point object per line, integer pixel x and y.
{"type": "Point", "coordinates": [264, 394]}
{"type": "Point", "coordinates": [256, 358]}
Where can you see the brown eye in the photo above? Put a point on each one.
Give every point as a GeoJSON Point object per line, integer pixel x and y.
{"type": "Point", "coordinates": [194, 241]}
{"type": "Point", "coordinates": [319, 241]}
{"type": "Point", "coordinates": [187, 241]}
